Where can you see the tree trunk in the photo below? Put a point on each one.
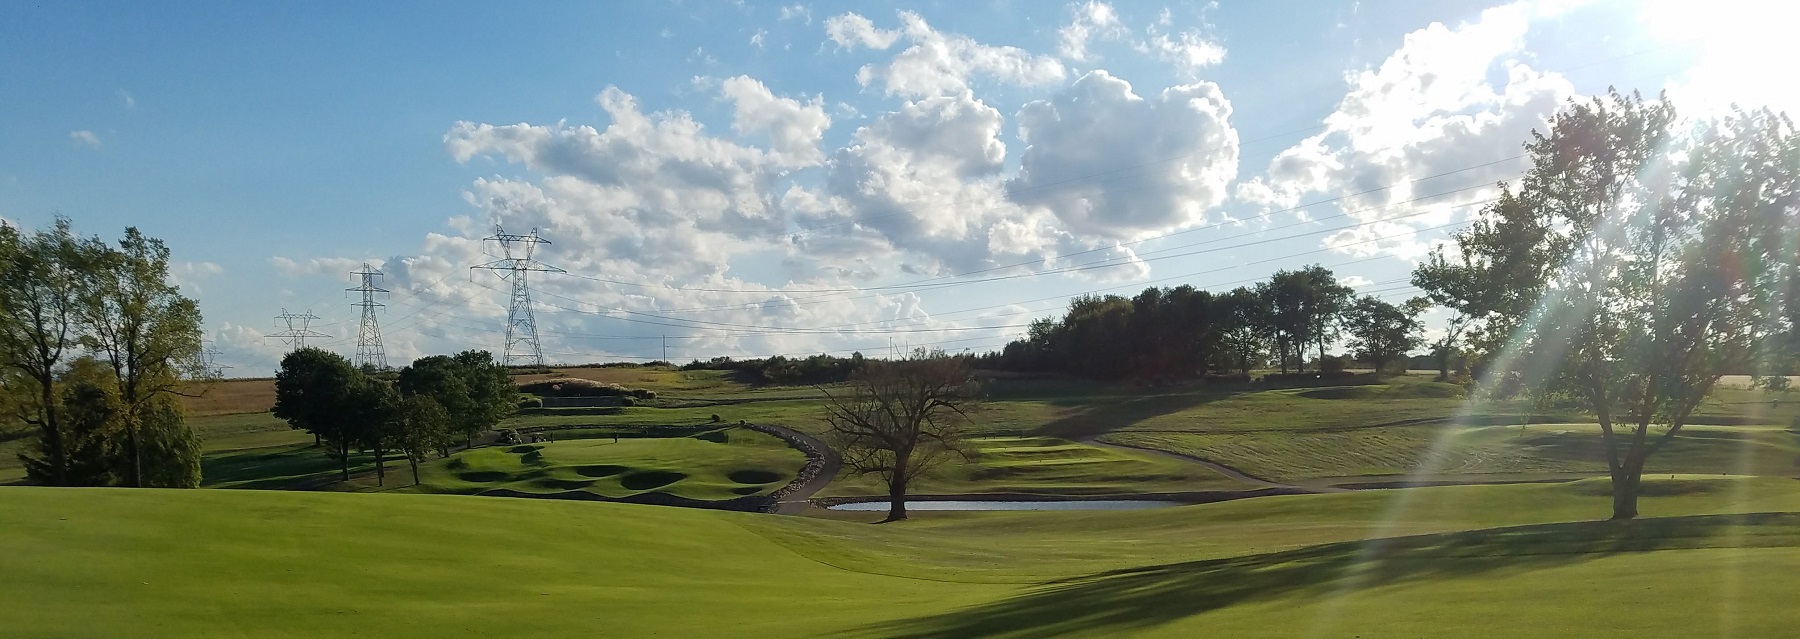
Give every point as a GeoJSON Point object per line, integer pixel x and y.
{"type": "Point", "coordinates": [896, 499]}
{"type": "Point", "coordinates": [136, 480]}
{"type": "Point", "coordinates": [1626, 483]}
{"type": "Point", "coordinates": [55, 450]}
{"type": "Point", "coordinates": [380, 466]}
{"type": "Point", "coordinates": [344, 458]}
{"type": "Point", "coordinates": [315, 440]}
{"type": "Point", "coordinates": [415, 467]}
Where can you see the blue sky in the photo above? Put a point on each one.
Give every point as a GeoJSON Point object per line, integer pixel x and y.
{"type": "Point", "coordinates": [761, 178]}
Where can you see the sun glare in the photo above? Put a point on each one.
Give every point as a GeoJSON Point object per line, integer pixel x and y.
{"type": "Point", "coordinates": [1741, 46]}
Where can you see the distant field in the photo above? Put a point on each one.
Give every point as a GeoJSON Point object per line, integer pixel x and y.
{"type": "Point", "coordinates": [1509, 561]}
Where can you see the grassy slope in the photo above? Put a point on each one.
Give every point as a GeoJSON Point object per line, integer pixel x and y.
{"type": "Point", "coordinates": [1050, 466]}
{"type": "Point", "coordinates": [300, 564]}
{"type": "Point", "coordinates": [716, 465]}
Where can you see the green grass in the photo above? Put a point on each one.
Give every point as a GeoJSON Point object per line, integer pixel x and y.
{"type": "Point", "coordinates": [1549, 449]}
{"type": "Point", "coordinates": [711, 466]}
{"type": "Point", "coordinates": [1049, 466]}
{"type": "Point", "coordinates": [1487, 561]}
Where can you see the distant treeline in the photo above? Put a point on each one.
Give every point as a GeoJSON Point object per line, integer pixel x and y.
{"type": "Point", "coordinates": [1184, 332]}
{"type": "Point", "coordinates": [816, 369]}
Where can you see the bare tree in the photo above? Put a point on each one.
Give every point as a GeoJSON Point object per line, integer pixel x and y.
{"type": "Point", "coordinates": [898, 419]}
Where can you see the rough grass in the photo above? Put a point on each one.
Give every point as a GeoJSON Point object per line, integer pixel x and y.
{"type": "Point", "coordinates": [1510, 561]}
{"type": "Point", "coordinates": [712, 466]}
{"type": "Point", "coordinates": [1049, 466]}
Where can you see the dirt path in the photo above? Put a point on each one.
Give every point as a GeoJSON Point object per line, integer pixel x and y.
{"type": "Point", "coordinates": [797, 500]}
{"type": "Point", "coordinates": [1222, 469]}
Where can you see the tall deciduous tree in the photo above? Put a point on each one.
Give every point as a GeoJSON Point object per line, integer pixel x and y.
{"type": "Point", "coordinates": [1382, 332]}
{"type": "Point", "coordinates": [147, 331]}
{"type": "Point", "coordinates": [424, 427]}
{"type": "Point", "coordinates": [898, 419]}
{"type": "Point", "coordinates": [41, 278]}
{"type": "Point", "coordinates": [1659, 262]}
{"type": "Point", "coordinates": [314, 392]}
{"type": "Point", "coordinates": [492, 394]}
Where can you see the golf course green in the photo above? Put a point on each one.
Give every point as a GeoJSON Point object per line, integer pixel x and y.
{"type": "Point", "coordinates": [1480, 561]}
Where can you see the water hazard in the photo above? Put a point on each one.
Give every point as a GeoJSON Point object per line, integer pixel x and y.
{"type": "Point", "coordinates": [1000, 504]}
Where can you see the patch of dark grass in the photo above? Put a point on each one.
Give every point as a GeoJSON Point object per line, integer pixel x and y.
{"type": "Point", "coordinates": [714, 436]}
{"type": "Point", "coordinates": [532, 458]}
{"type": "Point", "coordinates": [561, 484]}
{"type": "Point", "coordinates": [754, 476]}
{"type": "Point", "coordinates": [600, 470]}
{"type": "Point", "coordinates": [524, 448]}
{"type": "Point", "coordinates": [650, 479]}
{"type": "Point", "coordinates": [747, 490]}
{"type": "Point", "coordinates": [483, 476]}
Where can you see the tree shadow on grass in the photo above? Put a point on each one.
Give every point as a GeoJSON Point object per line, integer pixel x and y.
{"type": "Point", "coordinates": [1098, 418]}
{"type": "Point", "coordinates": [1139, 598]}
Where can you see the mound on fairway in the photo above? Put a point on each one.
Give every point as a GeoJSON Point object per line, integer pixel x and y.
{"type": "Point", "coordinates": [1049, 466]}
{"type": "Point", "coordinates": [712, 466]}
{"type": "Point", "coordinates": [1463, 561]}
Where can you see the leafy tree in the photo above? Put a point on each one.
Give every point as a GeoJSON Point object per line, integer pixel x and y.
{"type": "Point", "coordinates": [423, 427]}
{"type": "Point", "coordinates": [899, 419]}
{"type": "Point", "coordinates": [1659, 262]}
{"type": "Point", "coordinates": [1325, 303]}
{"type": "Point", "coordinates": [441, 378]}
{"type": "Point", "coordinates": [89, 422]}
{"type": "Point", "coordinates": [492, 394]}
{"type": "Point", "coordinates": [1381, 332]}
{"type": "Point", "coordinates": [315, 392]}
{"type": "Point", "coordinates": [147, 331]}
{"type": "Point", "coordinates": [41, 278]}
{"type": "Point", "coordinates": [1244, 329]}
{"type": "Point", "coordinates": [170, 450]}
{"type": "Point", "coordinates": [374, 419]}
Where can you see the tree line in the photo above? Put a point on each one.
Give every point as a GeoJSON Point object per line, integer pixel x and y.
{"type": "Point", "coordinates": [95, 348]}
{"type": "Point", "coordinates": [1184, 332]}
{"type": "Point", "coordinates": [427, 407]}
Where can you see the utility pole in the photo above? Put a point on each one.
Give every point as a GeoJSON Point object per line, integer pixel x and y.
{"type": "Point", "coordinates": [522, 344]}
{"type": "Point", "coordinates": [369, 353]}
{"type": "Point", "coordinates": [665, 348]}
{"type": "Point", "coordinates": [296, 336]}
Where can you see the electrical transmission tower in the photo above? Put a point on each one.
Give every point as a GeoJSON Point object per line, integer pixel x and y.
{"type": "Point", "coordinates": [368, 337]}
{"type": "Point", "coordinates": [522, 344]}
{"type": "Point", "coordinates": [296, 336]}
{"type": "Point", "coordinates": [209, 361]}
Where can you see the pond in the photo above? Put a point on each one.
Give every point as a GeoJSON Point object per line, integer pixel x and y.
{"type": "Point", "coordinates": [1005, 504]}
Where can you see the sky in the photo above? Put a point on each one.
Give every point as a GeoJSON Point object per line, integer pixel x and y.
{"type": "Point", "coordinates": [751, 179]}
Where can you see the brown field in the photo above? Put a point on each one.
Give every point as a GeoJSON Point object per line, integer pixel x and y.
{"type": "Point", "coordinates": [230, 397]}
{"type": "Point", "coordinates": [236, 396]}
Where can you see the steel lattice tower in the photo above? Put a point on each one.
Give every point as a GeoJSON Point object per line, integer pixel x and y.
{"type": "Point", "coordinates": [522, 344]}
{"type": "Point", "coordinates": [296, 337]}
{"type": "Point", "coordinates": [369, 353]}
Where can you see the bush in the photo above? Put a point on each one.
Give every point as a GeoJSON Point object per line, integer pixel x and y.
{"type": "Point", "coordinates": [1227, 378]}
{"type": "Point", "coordinates": [531, 402]}
{"type": "Point", "coordinates": [643, 393]}
{"type": "Point", "coordinates": [627, 401]}
{"type": "Point", "coordinates": [1333, 364]}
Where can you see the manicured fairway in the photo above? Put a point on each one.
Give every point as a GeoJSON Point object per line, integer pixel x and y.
{"type": "Point", "coordinates": [1050, 466]}
{"type": "Point", "coordinates": [714, 465]}
{"type": "Point", "coordinates": [1489, 561]}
